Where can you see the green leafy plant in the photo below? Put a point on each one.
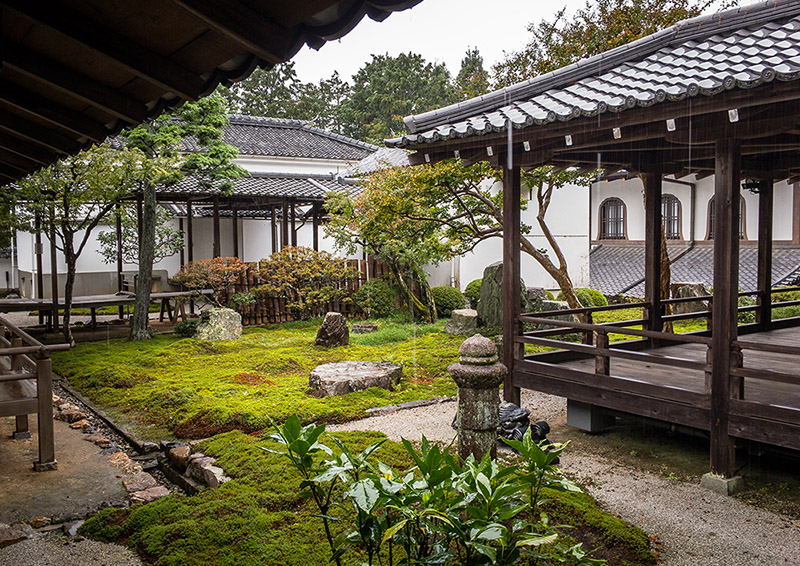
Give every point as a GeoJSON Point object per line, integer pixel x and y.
{"type": "Point", "coordinates": [376, 298]}
{"type": "Point", "coordinates": [447, 299]}
{"type": "Point", "coordinates": [588, 297]}
{"type": "Point", "coordinates": [440, 511]}
{"type": "Point", "coordinates": [305, 278]}
{"type": "Point", "coordinates": [239, 301]}
{"type": "Point", "coordinates": [186, 328]}
{"type": "Point", "coordinates": [472, 291]}
{"type": "Point", "coordinates": [218, 274]}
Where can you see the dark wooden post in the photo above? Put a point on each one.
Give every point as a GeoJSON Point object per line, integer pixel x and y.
{"type": "Point", "coordinates": [118, 225]}
{"type": "Point", "coordinates": [22, 430]}
{"type": "Point", "coordinates": [511, 288]}
{"type": "Point", "coordinates": [652, 254]}
{"type": "Point", "coordinates": [726, 291]}
{"type": "Point", "coordinates": [285, 224]}
{"type": "Point", "coordinates": [602, 361]}
{"type": "Point", "coordinates": [182, 253]}
{"type": "Point", "coordinates": [189, 242]}
{"type": "Point", "coordinates": [765, 206]}
{"type": "Point", "coordinates": [235, 222]}
{"type": "Point", "coordinates": [315, 213]}
{"type": "Point", "coordinates": [44, 394]}
{"type": "Point", "coordinates": [39, 250]}
{"type": "Point", "coordinates": [216, 244]}
{"type": "Point", "coordinates": [54, 276]}
{"type": "Point", "coordinates": [274, 228]}
{"type": "Point", "coordinates": [294, 222]}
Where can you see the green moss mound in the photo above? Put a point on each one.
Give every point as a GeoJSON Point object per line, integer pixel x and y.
{"type": "Point", "coordinates": [588, 297]}
{"type": "Point", "coordinates": [259, 519]}
{"type": "Point", "coordinates": [473, 291]}
{"type": "Point", "coordinates": [447, 299]}
{"type": "Point", "coordinates": [195, 389]}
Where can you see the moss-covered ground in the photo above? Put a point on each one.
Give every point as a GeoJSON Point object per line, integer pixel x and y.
{"type": "Point", "coordinates": [258, 518]}
{"type": "Point", "coordinates": [194, 389]}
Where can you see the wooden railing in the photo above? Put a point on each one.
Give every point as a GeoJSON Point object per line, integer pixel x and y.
{"type": "Point", "coordinates": [26, 387]}
{"type": "Point", "coordinates": [678, 397]}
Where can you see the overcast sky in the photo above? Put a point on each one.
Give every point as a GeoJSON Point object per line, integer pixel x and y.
{"type": "Point", "coordinates": [439, 30]}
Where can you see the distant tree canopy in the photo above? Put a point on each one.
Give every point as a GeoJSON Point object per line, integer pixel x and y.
{"type": "Point", "coordinates": [597, 27]}
{"type": "Point", "coordinates": [388, 88]}
{"type": "Point", "coordinates": [473, 79]}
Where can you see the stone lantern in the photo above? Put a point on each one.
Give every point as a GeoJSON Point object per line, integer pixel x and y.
{"type": "Point", "coordinates": [478, 375]}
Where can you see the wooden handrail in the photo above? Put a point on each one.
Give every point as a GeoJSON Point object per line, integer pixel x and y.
{"type": "Point", "coordinates": [611, 328]}
{"type": "Point", "coordinates": [586, 310]}
{"type": "Point", "coordinates": [767, 347]}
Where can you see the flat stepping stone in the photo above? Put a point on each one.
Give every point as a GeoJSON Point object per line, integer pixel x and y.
{"type": "Point", "coordinates": [346, 377]}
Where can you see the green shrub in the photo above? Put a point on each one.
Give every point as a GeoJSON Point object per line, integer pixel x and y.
{"type": "Point", "coordinates": [376, 298]}
{"type": "Point", "coordinates": [473, 291]}
{"type": "Point", "coordinates": [549, 295]}
{"type": "Point", "coordinates": [447, 299]}
{"type": "Point", "coordinates": [587, 297]}
{"type": "Point", "coordinates": [186, 329]}
{"type": "Point", "coordinates": [748, 317]}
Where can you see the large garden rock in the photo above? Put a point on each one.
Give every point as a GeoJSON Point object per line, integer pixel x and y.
{"type": "Point", "coordinates": [462, 321]}
{"type": "Point", "coordinates": [682, 290]}
{"type": "Point", "coordinates": [548, 306]}
{"type": "Point", "coordinates": [490, 301]}
{"type": "Point", "coordinates": [345, 377]}
{"type": "Point", "coordinates": [202, 468]}
{"type": "Point", "coordinates": [333, 332]}
{"type": "Point", "coordinates": [364, 328]}
{"type": "Point", "coordinates": [219, 324]}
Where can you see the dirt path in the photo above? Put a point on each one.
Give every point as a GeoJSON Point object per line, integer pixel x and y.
{"type": "Point", "coordinates": [695, 527]}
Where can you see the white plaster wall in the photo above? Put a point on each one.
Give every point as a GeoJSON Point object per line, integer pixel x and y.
{"type": "Point", "coordinates": [261, 164]}
{"type": "Point", "coordinates": [630, 191]}
{"type": "Point", "coordinates": [568, 219]}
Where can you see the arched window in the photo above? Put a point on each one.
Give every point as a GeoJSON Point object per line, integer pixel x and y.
{"type": "Point", "coordinates": [612, 219]}
{"type": "Point", "coordinates": [671, 216]}
{"type": "Point", "coordinates": [711, 219]}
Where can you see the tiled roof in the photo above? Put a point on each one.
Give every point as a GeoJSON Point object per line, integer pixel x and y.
{"type": "Point", "coordinates": [737, 49]}
{"type": "Point", "coordinates": [384, 158]}
{"type": "Point", "coordinates": [619, 268]}
{"type": "Point", "coordinates": [269, 185]}
{"type": "Point", "coordinates": [278, 137]}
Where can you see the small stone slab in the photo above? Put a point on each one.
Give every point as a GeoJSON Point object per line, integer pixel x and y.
{"type": "Point", "coordinates": [179, 456]}
{"type": "Point", "coordinates": [139, 482]}
{"type": "Point", "coordinates": [204, 470]}
{"type": "Point", "coordinates": [346, 377]}
{"type": "Point", "coordinates": [15, 533]}
{"type": "Point", "coordinates": [462, 321]}
{"type": "Point", "coordinates": [149, 495]}
{"type": "Point", "coordinates": [364, 328]}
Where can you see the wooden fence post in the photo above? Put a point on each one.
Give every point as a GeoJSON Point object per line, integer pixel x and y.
{"type": "Point", "coordinates": [44, 391]}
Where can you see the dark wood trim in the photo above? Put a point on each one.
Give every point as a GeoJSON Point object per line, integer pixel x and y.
{"type": "Point", "coordinates": [273, 229]}
{"type": "Point", "coordinates": [189, 232]}
{"type": "Point", "coordinates": [216, 245]}
{"type": "Point", "coordinates": [724, 322]}
{"type": "Point", "coordinates": [315, 219]}
{"type": "Point", "coordinates": [33, 133]}
{"type": "Point", "coordinates": [796, 213]}
{"type": "Point", "coordinates": [293, 212]}
{"type": "Point", "coordinates": [764, 276]}
{"type": "Point", "coordinates": [38, 251]}
{"type": "Point", "coordinates": [511, 274]}
{"type": "Point", "coordinates": [285, 224]}
{"type": "Point", "coordinates": [54, 276]}
{"type": "Point", "coordinates": [235, 228]}
{"type": "Point", "coordinates": [652, 253]}
{"type": "Point", "coordinates": [182, 253]}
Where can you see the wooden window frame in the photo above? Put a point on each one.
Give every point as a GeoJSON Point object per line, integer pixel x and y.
{"type": "Point", "coordinates": [602, 233]}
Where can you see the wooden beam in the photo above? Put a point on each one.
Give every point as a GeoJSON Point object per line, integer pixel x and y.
{"type": "Point", "coordinates": [511, 274]}
{"type": "Point", "coordinates": [726, 294]}
{"type": "Point", "coordinates": [38, 250]}
{"type": "Point", "coordinates": [39, 135]}
{"type": "Point", "coordinates": [652, 258]}
{"type": "Point", "coordinates": [273, 229]}
{"type": "Point", "coordinates": [189, 232]}
{"type": "Point", "coordinates": [80, 87]}
{"type": "Point", "coordinates": [48, 110]}
{"type": "Point", "coordinates": [35, 152]}
{"type": "Point", "coordinates": [246, 26]}
{"type": "Point", "coordinates": [123, 52]}
{"type": "Point", "coordinates": [17, 161]}
{"type": "Point", "coordinates": [293, 212]}
{"type": "Point", "coordinates": [315, 208]}
{"type": "Point", "coordinates": [285, 224]}
{"type": "Point", "coordinates": [764, 285]}
{"type": "Point", "coordinates": [54, 275]}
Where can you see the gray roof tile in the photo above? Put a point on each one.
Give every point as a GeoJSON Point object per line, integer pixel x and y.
{"type": "Point", "coordinates": [277, 185]}
{"type": "Point", "coordinates": [740, 48]}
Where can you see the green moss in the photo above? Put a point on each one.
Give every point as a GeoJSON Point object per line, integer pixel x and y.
{"type": "Point", "coordinates": [258, 518]}
{"type": "Point", "coordinates": [196, 388]}
{"type": "Point", "coordinates": [614, 539]}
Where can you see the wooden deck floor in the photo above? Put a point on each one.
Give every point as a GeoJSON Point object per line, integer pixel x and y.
{"type": "Point", "coordinates": [767, 392]}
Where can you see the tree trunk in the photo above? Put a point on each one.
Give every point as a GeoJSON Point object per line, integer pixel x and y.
{"type": "Point", "coordinates": [666, 276]}
{"type": "Point", "coordinates": [147, 240]}
{"type": "Point", "coordinates": [70, 259]}
{"type": "Point", "coordinates": [420, 311]}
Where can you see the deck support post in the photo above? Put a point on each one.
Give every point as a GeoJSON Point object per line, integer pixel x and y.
{"type": "Point", "coordinates": [189, 243]}
{"type": "Point", "coordinates": [727, 194]}
{"type": "Point", "coordinates": [273, 229]}
{"type": "Point", "coordinates": [293, 207]}
{"type": "Point", "coordinates": [235, 228]}
{"type": "Point", "coordinates": [39, 275]}
{"type": "Point", "coordinates": [118, 226]}
{"type": "Point", "coordinates": [652, 257]}
{"type": "Point", "coordinates": [44, 393]}
{"type": "Point", "coordinates": [22, 430]}
{"type": "Point", "coordinates": [285, 224]}
{"type": "Point", "coordinates": [765, 211]}
{"type": "Point", "coordinates": [54, 275]}
{"type": "Point", "coordinates": [315, 213]}
{"type": "Point", "coordinates": [511, 273]}
{"type": "Point", "coordinates": [216, 248]}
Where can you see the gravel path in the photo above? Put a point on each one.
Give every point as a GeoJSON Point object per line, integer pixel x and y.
{"type": "Point", "coordinates": [57, 550]}
{"type": "Point", "coordinates": [695, 526]}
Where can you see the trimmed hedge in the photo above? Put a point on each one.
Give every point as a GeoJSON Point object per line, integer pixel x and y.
{"type": "Point", "coordinates": [588, 297]}
{"type": "Point", "coordinates": [473, 291]}
{"type": "Point", "coordinates": [376, 298]}
{"type": "Point", "coordinates": [447, 299]}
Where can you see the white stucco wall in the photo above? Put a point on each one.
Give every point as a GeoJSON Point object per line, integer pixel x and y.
{"type": "Point", "coordinates": [631, 193]}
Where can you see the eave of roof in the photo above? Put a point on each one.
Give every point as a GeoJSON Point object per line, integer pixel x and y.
{"type": "Point", "coordinates": [568, 93]}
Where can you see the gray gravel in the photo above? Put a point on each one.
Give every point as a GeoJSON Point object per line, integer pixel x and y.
{"type": "Point", "coordinates": [57, 550]}
{"type": "Point", "coordinates": [695, 526]}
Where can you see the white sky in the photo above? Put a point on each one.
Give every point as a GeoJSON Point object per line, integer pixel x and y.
{"type": "Point", "coordinates": [439, 30]}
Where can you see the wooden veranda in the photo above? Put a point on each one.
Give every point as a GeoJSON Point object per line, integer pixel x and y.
{"type": "Point", "coordinates": [717, 95]}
